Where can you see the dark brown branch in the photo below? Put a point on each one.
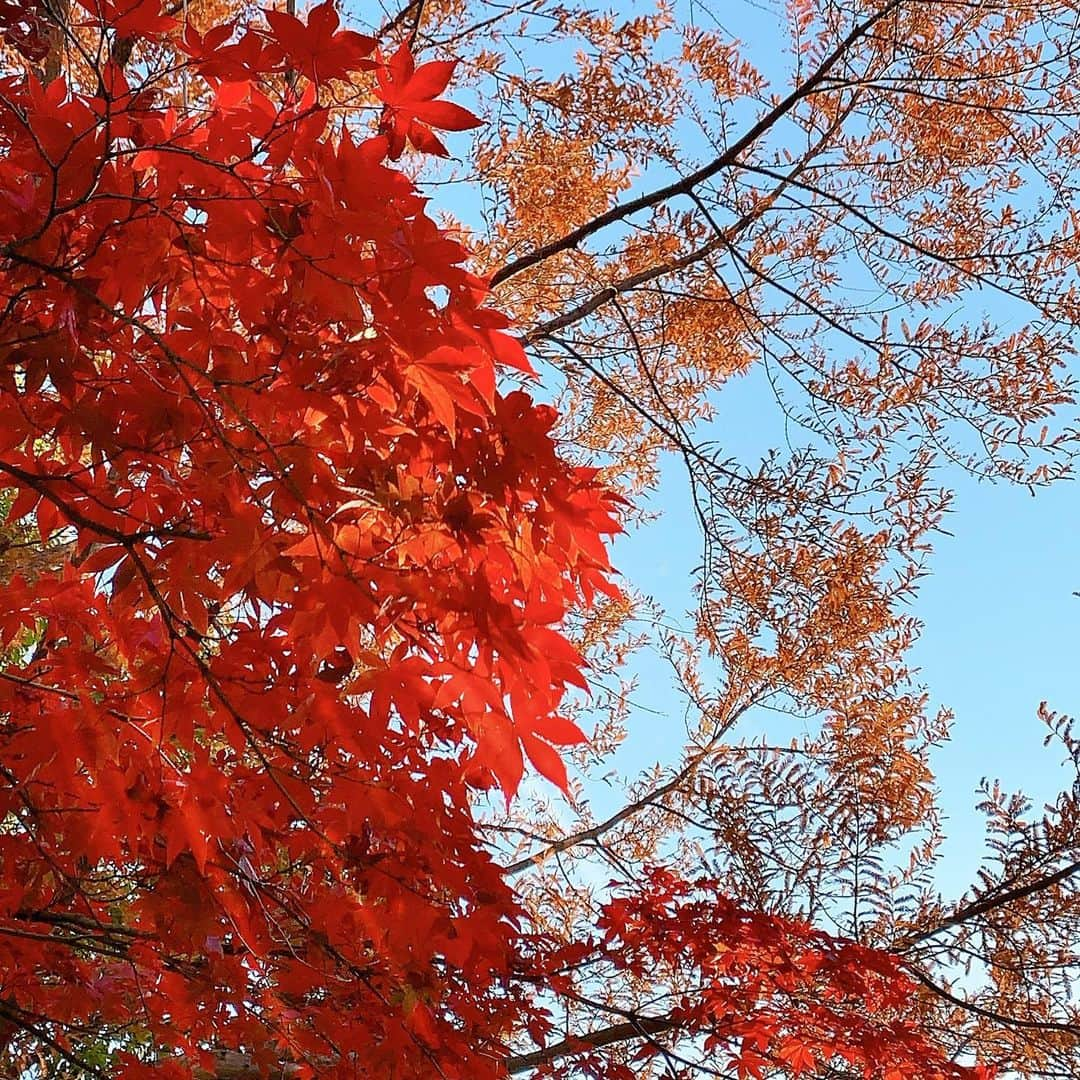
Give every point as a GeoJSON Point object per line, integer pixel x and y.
{"type": "Point", "coordinates": [399, 19]}
{"type": "Point", "coordinates": [233, 1065]}
{"type": "Point", "coordinates": [687, 184]}
{"type": "Point", "coordinates": [722, 240]}
{"type": "Point", "coordinates": [991, 1014]}
{"type": "Point", "coordinates": [640, 1028]}
{"type": "Point", "coordinates": [989, 903]}
{"type": "Point", "coordinates": [626, 284]}
{"type": "Point", "coordinates": [41, 484]}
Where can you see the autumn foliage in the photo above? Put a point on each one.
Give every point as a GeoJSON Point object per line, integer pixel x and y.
{"type": "Point", "coordinates": [317, 565]}
{"type": "Point", "coordinates": [290, 567]}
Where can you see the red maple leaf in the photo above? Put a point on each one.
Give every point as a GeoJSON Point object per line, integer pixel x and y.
{"type": "Point", "coordinates": [131, 18]}
{"type": "Point", "coordinates": [408, 93]}
{"type": "Point", "coordinates": [319, 50]}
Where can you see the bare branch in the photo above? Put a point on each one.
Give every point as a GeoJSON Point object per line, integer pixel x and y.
{"type": "Point", "coordinates": [640, 1028]}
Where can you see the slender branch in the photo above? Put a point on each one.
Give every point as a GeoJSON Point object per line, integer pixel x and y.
{"type": "Point", "coordinates": [989, 903]}
{"type": "Point", "coordinates": [235, 1065]}
{"type": "Point", "coordinates": [626, 284]}
{"type": "Point", "coordinates": [640, 1028]}
{"type": "Point", "coordinates": [628, 811]}
{"type": "Point", "coordinates": [41, 484]}
{"type": "Point", "coordinates": [724, 238]}
{"type": "Point", "coordinates": [991, 1014]}
{"type": "Point", "coordinates": [687, 184]}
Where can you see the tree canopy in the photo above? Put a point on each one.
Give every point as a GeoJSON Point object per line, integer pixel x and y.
{"type": "Point", "coordinates": [308, 501]}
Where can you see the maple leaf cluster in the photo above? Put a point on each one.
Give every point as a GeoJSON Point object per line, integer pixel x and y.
{"type": "Point", "coordinates": [775, 992]}
{"type": "Point", "coordinates": [318, 560]}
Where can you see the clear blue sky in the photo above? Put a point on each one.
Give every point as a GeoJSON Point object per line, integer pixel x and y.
{"type": "Point", "coordinates": [999, 615]}
{"type": "Point", "coordinates": [1000, 618]}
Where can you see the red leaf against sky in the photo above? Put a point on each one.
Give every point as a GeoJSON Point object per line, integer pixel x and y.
{"type": "Point", "coordinates": [410, 109]}
{"type": "Point", "coordinates": [318, 49]}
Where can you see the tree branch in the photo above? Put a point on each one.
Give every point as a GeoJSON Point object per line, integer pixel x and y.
{"type": "Point", "coordinates": [989, 903]}
{"type": "Point", "coordinates": [684, 186]}
{"type": "Point", "coordinates": [724, 238]}
{"type": "Point", "coordinates": [628, 811]}
{"type": "Point", "coordinates": [640, 1028]}
{"type": "Point", "coordinates": [234, 1065]}
{"type": "Point", "coordinates": [991, 1014]}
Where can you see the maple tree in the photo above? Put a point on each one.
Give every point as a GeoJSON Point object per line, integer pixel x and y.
{"type": "Point", "coordinates": [295, 573]}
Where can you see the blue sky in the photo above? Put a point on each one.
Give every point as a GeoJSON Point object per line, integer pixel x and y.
{"type": "Point", "coordinates": [998, 609]}
{"type": "Point", "coordinates": [999, 617]}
